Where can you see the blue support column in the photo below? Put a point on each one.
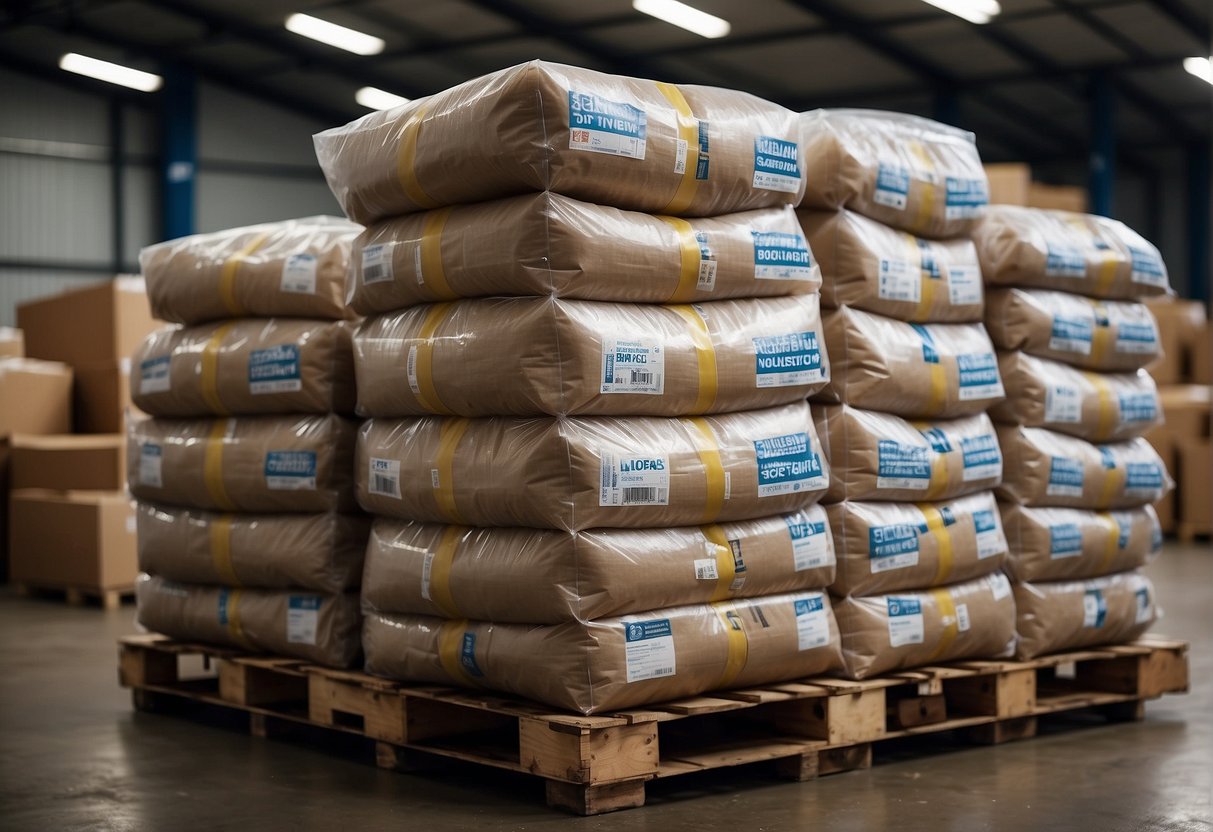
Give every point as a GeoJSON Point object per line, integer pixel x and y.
{"type": "Point", "coordinates": [1103, 146]}
{"type": "Point", "coordinates": [178, 152]}
{"type": "Point", "coordinates": [1199, 274]}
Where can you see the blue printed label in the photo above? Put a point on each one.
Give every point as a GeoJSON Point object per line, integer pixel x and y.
{"type": "Point", "coordinates": [938, 440]}
{"type": "Point", "coordinates": [905, 620]}
{"type": "Point", "coordinates": [603, 126]}
{"type": "Point", "coordinates": [467, 655]}
{"type": "Point", "coordinates": [787, 464]}
{"type": "Point", "coordinates": [1065, 540]}
{"type": "Point", "coordinates": [928, 263]}
{"type": "Point", "coordinates": [781, 256]}
{"type": "Point", "coordinates": [990, 540]}
{"type": "Point", "coordinates": [1071, 334]}
{"type": "Point", "coordinates": [903, 466]}
{"type": "Point", "coordinates": [1148, 267]}
{"type": "Point", "coordinates": [632, 365]}
{"type": "Point", "coordinates": [302, 618]}
{"type": "Point", "coordinates": [648, 649]}
{"type": "Point", "coordinates": [982, 457]}
{"type": "Point", "coordinates": [893, 547]}
{"type": "Point", "coordinates": [929, 354]}
{"type": "Point", "coordinates": [274, 370]}
{"type": "Point", "coordinates": [290, 470]}
{"type": "Point", "coordinates": [964, 198]}
{"type": "Point", "coordinates": [892, 187]}
{"type": "Point", "coordinates": [701, 167]}
{"type": "Point", "coordinates": [222, 613]}
{"type": "Point", "coordinates": [1138, 407]}
{"type": "Point", "coordinates": [1143, 479]}
{"type": "Point", "coordinates": [1066, 477]}
{"type": "Point", "coordinates": [1124, 527]}
{"type": "Point", "coordinates": [787, 360]}
{"type": "Point", "coordinates": [151, 465]}
{"type": "Point", "coordinates": [979, 378]}
{"type": "Point", "coordinates": [776, 165]}
{"type": "Point", "coordinates": [1136, 338]}
{"type": "Point", "coordinates": [1094, 608]}
{"type": "Point", "coordinates": [1144, 609]}
{"type": "Point", "coordinates": [810, 542]}
{"type": "Point", "coordinates": [154, 376]}
{"type": "Point", "coordinates": [1065, 261]}
{"type": "Point", "coordinates": [812, 622]}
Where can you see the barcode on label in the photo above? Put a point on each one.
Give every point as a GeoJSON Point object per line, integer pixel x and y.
{"type": "Point", "coordinates": [384, 485]}
{"type": "Point", "coordinates": [384, 477]}
{"type": "Point", "coordinates": [636, 494]}
{"type": "Point", "coordinates": [639, 377]}
{"type": "Point", "coordinates": [374, 273]}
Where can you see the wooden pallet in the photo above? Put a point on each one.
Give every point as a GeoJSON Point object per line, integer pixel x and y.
{"type": "Point", "coordinates": [595, 764]}
{"type": "Point", "coordinates": [78, 596]}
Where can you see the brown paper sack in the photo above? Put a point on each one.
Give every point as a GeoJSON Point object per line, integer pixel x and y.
{"type": "Point", "coordinates": [1071, 614]}
{"type": "Point", "coordinates": [1045, 468]}
{"type": "Point", "coordinates": [1108, 336]}
{"type": "Point", "coordinates": [881, 633]}
{"type": "Point", "coordinates": [878, 456]}
{"type": "Point", "coordinates": [914, 370]}
{"type": "Point", "coordinates": [542, 356]}
{"type": "Point", "coordinates": [614, 663]}
{"type": "Point", "coordinates": [640, 145]}
{"type": "Point", "coordinates": [253, 463]}
{"type": "Point", "coordinates": [1099, 407]}
{"type": "Point", "coordinates": [294, 268]}
{"type": "Point", "coordinates": [903, 171]}
{"type": "Point", "coordinates": [885, 547]}
{"type": "Point", "coordinates": [323, 552]}
{"type": "Point", "coordinates": [581, 473]}
{"type": "Point", "coordinates": [1080, 253]}
{"type": "Point", "coordinates": [249, 366]}
{"type": "Point", "coordinates": [305, 625]}
{"type": "Point", "coordinates": [1061, 544]}
{"type": "Point", "coordinates": [545, 577]}
{"type": "Point", "coordinates": [867, 265]}
{"type": "Point", "coordinates": [548, 244]}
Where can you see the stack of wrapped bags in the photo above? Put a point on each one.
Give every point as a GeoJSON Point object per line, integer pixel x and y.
{"type": "Point", "coordinates": [1063, 309]}
{"type": "Point", "coordinates": [592, 325]}
{"type": "Point", "coordinates": [913, 456]}
{"type": "Point", "coordinates": [247, 525]}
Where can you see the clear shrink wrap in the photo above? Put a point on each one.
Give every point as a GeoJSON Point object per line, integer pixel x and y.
{"type": "Point", "coordinates": [1061, 544]}
{"type": "Point", "coordinates": [1067, 615]}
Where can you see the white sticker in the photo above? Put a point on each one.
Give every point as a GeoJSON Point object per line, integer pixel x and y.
{"type": "Point", "coordinates": [1090, 609]}
{"type": "Point", "coordinates": [155, 375]}
{"type": "Point", "coordinates": [302, 619]}
{"type": "Point", "coordinates": [132, 525]}
{"type": "Point", "coordinates": [810, 543]}
{"type": "Point", "coordinates": [680, 156]}
{"type": "Point", "coordinates": [434, 481]}
{"type": "Point", "coordinates": [648, 649]}
{"type": "Point", "coordinates": [600, 125]}
{"type": "Point", "coordinates": [427, 567]}
{"type": "Point", "coordinates": [812, 622]}
{"type": "Point", "coordinates": [633, 365]}
{"type": "Point", "coordinates": [707, 276]}
{"type": "Point", "coordinates": [1000, 587]}
{"type": "Point", "coordinates": [1063, 404]}
{"type": "Point", "coordinates": [1144, 607]}
{"type": "Point", "coordinates": [900, 280]}
{"type": "Point", "coordinates": [705, 569]}
{"type": "Point", "coordinates": [964, 285]}
{"type": "Point", "coordinates": [299, 274]}
{"type": "Point", "coordinates": [990, 543]}
{"type": "Point", "coordinates": [377, 264]}
{"type": "Point", "coordinates": [905, 620]}
{"type": "Point", "coordinates": [629, 480]}
{"type": "Point", "coordinates": [410, 369]}
{"type": "Point", "coordinates": [962, 618]}
{"type": "Point", "coordinates": [151, 458]}
{"type": "Point", "coordinates": [383, 477]}
{"type": "Point", "coordinates": [418, 269]}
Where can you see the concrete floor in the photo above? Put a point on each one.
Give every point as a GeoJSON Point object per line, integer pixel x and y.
{"type": "Point", "coordinates": [73, 755]}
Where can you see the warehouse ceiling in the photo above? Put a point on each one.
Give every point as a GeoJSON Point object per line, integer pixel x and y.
{"type": "Point", "coordinates": [1023, 82]}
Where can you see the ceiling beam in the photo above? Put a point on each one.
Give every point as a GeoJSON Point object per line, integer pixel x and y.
{"type": "Point", "coordinates": [1195, 24]}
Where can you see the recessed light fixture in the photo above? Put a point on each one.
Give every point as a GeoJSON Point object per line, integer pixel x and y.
{"type": "Point", "coordinates": [124, 76]}
{"type": "Point", "coordinates": [974, 11]}
{"type": "Point", "coordinates": [684, 16]}
{"type": "Point", "coordinates": [1202, 68]}
{"type": "Point", "coordinates": [374, 98]}
{"type": "Point", "coordinates": [342, 37]}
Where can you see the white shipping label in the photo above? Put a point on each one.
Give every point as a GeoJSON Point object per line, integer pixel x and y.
{"type": "Point", "coordinates": [629, 480]}
{"type": "Point", "coordinates": [990, 543]}
{"type": "Point", "coordinates": [1000, 587]}
{"type": "Point", "coordinates": [962, 617]}
{"type": "Point", "coordinates": [427, 567]}
{"type": "Point", "coordinates": [418, 268]}
{"type": "Point", "coordinates": [383, 477]}
{"type": "Point", "coordinates": [1145, 610]}
{"type": "Point", "coordinates": [377, 264]}
{"type": "Point", "coordinates": [648, 649]}
{"type": "Point", "coordinates": [600, 125]}
{"type": "Point", "coordinates": [810, 542]}
{"type": "Point", "coordinates": [905, 620]}
{"type": "Point", "coordinates": [1091, 602]}
{"type": "Point", "coordinates": [680, 156]}
{"type": "Point", "coordinates": [299, 274]}
{"type": "Point", "coordinates": [705, 569]}
{"type": "Point", "coordinates": [707, 276]}
{"type": "Point", "coordinates": [633, 365]}
{"type": "Point", "coordinates": [812, 622]}
{"type": "Point", "coordinates": [151, 459]}
{"type": "Point", "coordinates": [964, 285]}
{"type": "Point", "coordinates": [302, 619]}
{"type": "Point", "coordinates": [154, 375]}
{"type": "Point", "coordinates": [1063, 404]}
{"type": "Point", "coordinates": [900, 280]}
{"type": "Point", "coordinates": [410, 370]}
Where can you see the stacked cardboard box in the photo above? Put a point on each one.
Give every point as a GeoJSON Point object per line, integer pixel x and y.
{"type": "Point", "coordinates": [597, 488]}
{"type": "Point", "coordinates": [912, 454]}
{"type": "Point", "coordinates": [243, 471]}
{"type": "Point", "coordinates": [1011, 184]}
{"type": "Point", "coordinates": [1080, 479]}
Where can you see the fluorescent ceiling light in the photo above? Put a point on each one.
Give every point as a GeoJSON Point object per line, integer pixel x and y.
{"type": "Point", "coordinates": [374, 98]}
{"type": "Point", "coordinates": [974, 11]}
{"type": "Point", "coordinates": [113, 73]}
{"type": "Point", "coordinates": [351, 40]}
{"type": "Point", "coordinates": [684, 16]}
{"type": "Point", "coordinates": [1202, 68]}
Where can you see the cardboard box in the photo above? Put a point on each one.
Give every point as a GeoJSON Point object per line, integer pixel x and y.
{"type": "Point", "coordinates": [1009, 183]}
{"type": "Point", "coordinates": [1186, 409]}
{"type": "Point", "coordinates": [71, 462]}
{"type": "Point", "coordinates": [87, 326]}
{"type": "Point", "coordinates": [1181, 323]}
{"type": "Point", "coordinates": [1160, 437]}
{"type": "Point", "coordinates": [12, 342]}
{"type": "Point", "coordinates": [1200, 356]}
{"type": "Point", "coordinates": [1194, 498]}
{"type": "Point", "coordinates": [74, 539]}
{"type": "Point", "coordinates": [1057, 197]}
{"type": "Point", "coordinates": [4, 488]}
{"type": "Point", "coordinates": [35, 396]}
{"type": "Point", "coordinates": [102, 397]}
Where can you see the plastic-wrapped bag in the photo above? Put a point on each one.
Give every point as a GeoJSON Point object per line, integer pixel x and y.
{"type": "Point", "coordinates": [1067, 615]}
{"type": "Point", "coordinates": [1061, 544]}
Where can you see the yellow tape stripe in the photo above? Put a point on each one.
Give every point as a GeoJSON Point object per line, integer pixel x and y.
{"type": "Point", "coordinates": [1113, 482]}
{"type": "Point", "coordinates": [227, 276]}
{"type": "Point", "coordinates": [688, 131]}
{"type": "Point", "coordinates": [1111, 545]}
{"type": "Point", "coordinates": [428, 396]}
{"type": "Point", "coordinates": [440, 572]}
{"type": "Point", "coordinates": [1100, 335]}
{"type": "Point", "coordinates": [208, 377]}
{"type": "Point", "coordinates": [713, 468]}
{"type": "Point", "coordinates": [688, 251]}
{"type": "Point", "coordinates": [221, 551]}
{"type": "Point", "coordinates": [1106, 272]}
{"type": "Point", "coordinates": [927, 205]}
{"type": "Point", "coordinates": [739, 645]}
{"type": "Point", "coordinates": [212, 466]}
{"type": "Point", "coordinates": [943, 537]}
{"type": "Point", "coordinates": [235, 626]}
{"type": "Point", "coordinates": [450, 646]}
{"type": "Point", "coordinates": [705, 354]}
{"type": "Point", "coordinates": [1105, 421]}
{"type": "Point", "coordinates": [433, 275]}
{"type": "Point", "coordinates": [452, 433]}
{"type": "Point", "coordinates": [406, 162]}
{"type": "Point", "coordinates": [926, 292]}
{"type": "Point", "coordinates": [725, 565]}
{"type": "Point", "coordinates": [938, 392]}
{"type": "Point", "coordinates": [947, 611]}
